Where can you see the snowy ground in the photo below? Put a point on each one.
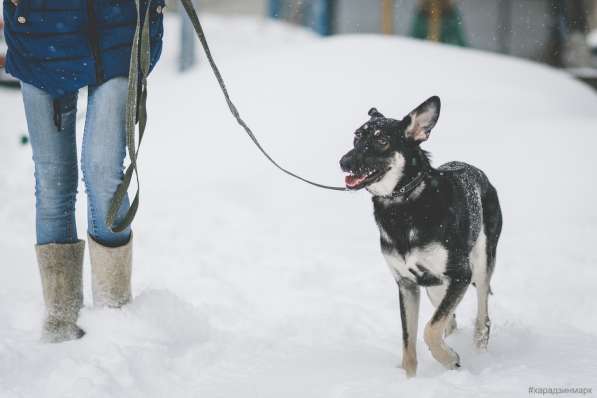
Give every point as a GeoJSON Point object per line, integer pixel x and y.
{"type": "Point", "coordinates": [249, 284]}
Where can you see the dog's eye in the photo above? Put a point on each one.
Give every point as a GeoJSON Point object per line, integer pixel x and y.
{"type": "Point", "coordinates": [382, 141]}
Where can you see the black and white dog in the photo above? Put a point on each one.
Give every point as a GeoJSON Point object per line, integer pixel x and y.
{"type": "Point", "coordinates": [439, 227]}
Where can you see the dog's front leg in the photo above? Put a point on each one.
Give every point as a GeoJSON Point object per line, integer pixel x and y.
{"type": "Point", "coordinates": [409, 314]}
{"type": "Point", "coordinates": [434, 331]}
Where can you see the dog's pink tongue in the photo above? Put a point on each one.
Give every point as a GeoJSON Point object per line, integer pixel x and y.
{"type": "Point", "coordinates": [352, 181]}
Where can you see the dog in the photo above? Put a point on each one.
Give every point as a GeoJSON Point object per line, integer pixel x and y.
{"type": "Point", "coordinates": [439, 228]}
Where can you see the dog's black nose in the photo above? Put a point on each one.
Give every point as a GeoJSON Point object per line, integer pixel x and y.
{"type": "Point", "coordinates": [346, 161]}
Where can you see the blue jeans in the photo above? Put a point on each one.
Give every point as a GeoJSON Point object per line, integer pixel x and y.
{"type": "Point", "coordinates": [56, 166]}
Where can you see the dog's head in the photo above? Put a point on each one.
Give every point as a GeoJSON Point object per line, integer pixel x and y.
{"type": "Point", "coordinates": [384, 148]}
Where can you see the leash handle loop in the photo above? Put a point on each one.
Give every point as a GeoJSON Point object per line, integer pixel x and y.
{"type": "Point", "coordinates": [136, 111]}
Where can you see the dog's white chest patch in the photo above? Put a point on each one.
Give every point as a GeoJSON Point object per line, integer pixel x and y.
{"type": "Point", "coordinates": [432, 259]}
{"type": "Point", "coordinates": [386, 185]}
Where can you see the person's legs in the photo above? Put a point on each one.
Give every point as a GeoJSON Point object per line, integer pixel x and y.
{"type": "Point", "coordinates": [56, 168]}
{"type": "Point", "coordinates": [322, 16]}
{"type": "Point", "coordinates": [59, 252]}
{"type": "Point", "coordinates": [104, 151]}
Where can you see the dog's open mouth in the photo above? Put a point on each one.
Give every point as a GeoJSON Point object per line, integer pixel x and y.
{"type": "Point", "coordinates": [356, 181]}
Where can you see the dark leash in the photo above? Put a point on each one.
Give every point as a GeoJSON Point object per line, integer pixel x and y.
{"type": "Point", "coordinates": [136, 111]}
{"type": "Point", "coordinates": [192, 13]}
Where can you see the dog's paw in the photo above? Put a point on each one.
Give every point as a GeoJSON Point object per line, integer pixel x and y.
{"type": "Point", "coordinates": [482, 330]}
{"type": "Point", "coordinates": [410, 367]}
{"type": "Point", "coordinates": [451, 360]}
{"type": "Point", "coordinates": [446, 356]}
{"type": "Point", "coordinates": [440, 350]}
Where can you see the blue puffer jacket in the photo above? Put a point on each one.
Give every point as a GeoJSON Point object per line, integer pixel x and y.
{"type": "Point", "coordinates": [60, 46]}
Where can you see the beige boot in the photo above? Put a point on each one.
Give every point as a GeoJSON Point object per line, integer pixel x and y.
{"type": "Point", "coordinates": [61, 271]}
{"type": "Point", "coordinates": [111, 273]}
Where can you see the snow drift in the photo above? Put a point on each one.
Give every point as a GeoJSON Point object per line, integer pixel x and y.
{"type": "Point", "coordinates": [249, 284]}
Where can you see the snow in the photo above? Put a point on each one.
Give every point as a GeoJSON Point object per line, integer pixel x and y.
{"type": "Point", "coordinates": [250, 284]}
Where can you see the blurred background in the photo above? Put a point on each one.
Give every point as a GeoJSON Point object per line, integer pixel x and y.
{"type": "Point", "coordinates": [562, 33]}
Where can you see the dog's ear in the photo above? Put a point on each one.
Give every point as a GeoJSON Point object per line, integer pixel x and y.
{"type": "Point", "coordinates": [422, 120]}
{"type": "Point", "coordinates": [373, 112]}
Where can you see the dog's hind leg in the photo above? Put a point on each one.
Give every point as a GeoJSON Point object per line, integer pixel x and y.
{"type": "Point", "coordinates": [483, 323]}
{"type": "Point", "coordinates": [434, 331]}
{"type": "Point", "coordinates": [482, 262]}
{"type": "Point", "coordinates": [409, 315]}
{"type": "Point", "coordinates": [436, 294]}
{"type": "Point", "coordinates": [480, 265]}
{"type": "Point", "coordinates": [483, 256]}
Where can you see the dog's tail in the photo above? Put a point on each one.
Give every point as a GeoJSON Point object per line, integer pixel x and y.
{"type": "Point", "coordinates": [492, 220]}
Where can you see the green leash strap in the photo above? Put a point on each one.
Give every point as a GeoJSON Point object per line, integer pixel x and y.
{"type": "Point", "coordinates": [136, 110]}
{"type": "Point", "coordinates": [137, 106]}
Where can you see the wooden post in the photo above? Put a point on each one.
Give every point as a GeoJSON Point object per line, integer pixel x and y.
{"type": "Point", "coordinates": [387, 17]}
{"type": "Point", "coordinates": [434, 32]}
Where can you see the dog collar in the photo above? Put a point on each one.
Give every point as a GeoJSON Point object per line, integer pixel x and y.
{"type": "Point", "coordinates": [407, 189]}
